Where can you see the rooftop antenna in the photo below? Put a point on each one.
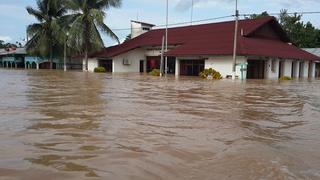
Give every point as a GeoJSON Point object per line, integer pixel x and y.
{"type": "Point", "coordinates": [137, 16]}
{"type": "Point", "coordinates": [235, 42]}
{"type": "Point", "coordinates": [192, 4]}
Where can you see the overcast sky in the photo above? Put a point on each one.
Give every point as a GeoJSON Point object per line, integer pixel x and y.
{"type": "Point", "coordinates": [14, 18]}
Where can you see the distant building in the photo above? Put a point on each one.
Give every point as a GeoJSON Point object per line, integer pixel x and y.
{"type": "Point", "coordinates": [264, 51]}
{"type": "Point", "coordinates": [315, 51]}
{"type": "Point", "coordinates": [18, 58]}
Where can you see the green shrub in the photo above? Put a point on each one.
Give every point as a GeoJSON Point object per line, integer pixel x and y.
{"type": "Point", "coordinates": [210, 74]}
{"type": "Point", "coordinates": [285, 78]}
{"type": "Point", "coordinates": [155, 72]}
{"type": "Point", "coordinates": [100, 70]}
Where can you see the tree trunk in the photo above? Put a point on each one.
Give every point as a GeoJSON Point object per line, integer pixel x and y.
{"type": "Point", "coordinates": [51, 60]}
{"type": "Point", "coordinates": [86, 59]}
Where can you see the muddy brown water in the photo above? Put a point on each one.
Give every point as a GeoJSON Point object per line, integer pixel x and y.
{"type": "Point", "coordinates": [75, 125]}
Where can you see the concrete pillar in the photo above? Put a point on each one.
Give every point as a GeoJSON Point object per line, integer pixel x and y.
{"type": "Point", "coordinates": [312, 69]}
{"type": "Point", "coordinates": [287, 68]}
{"type": "Point", "coordinates": [37, 66]}
{"type": "Point", "coordinates": [145, 66]}
{"type": "Point", "coordinates": [15, 65]}
{"type": "Point", "coordinates": [295, 69]}
{"type": "Point", "coordinates": [306, 69]}
{"type": "Point", "coordinates": [177, 72]}
{"type": "Point", "coordinates": [272, 68]}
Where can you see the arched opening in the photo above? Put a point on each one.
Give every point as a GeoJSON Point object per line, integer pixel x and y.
{"type": "Point", "coordinates": [46, 65]}
{"type": "Point", "coordinates": [33, 65]}
{"type": "Point", "coordinates": [1, 64]}
{"type": "Point", "coordinates": [27, 64]}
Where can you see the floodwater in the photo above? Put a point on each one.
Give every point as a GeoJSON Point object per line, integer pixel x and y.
{"type": "Point", "coordinates": [74, 125]}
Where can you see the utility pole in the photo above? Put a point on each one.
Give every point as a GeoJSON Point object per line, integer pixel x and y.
{"type": "Point", "coordinates": [235, 42]}
{"type": "Point", "coordinates": [192, 4]}
{"type": "Point", "coordinates": [161, 61]}
{"type": "Point", "coordinates": [166, 42]}
{"type": "Point", "coordinates": [65, 52]}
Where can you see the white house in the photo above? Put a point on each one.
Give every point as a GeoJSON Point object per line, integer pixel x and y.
{"type": "Point", "coordinates": [264, 51]}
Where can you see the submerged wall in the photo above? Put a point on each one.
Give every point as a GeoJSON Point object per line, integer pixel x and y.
{"type": "Point", "coordinates": [224, 64]}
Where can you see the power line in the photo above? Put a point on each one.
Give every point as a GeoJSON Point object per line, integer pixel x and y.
{"type": "Point", "coordinates": [177, 24]}
{"type": "Point", "coordinates": [216, 18]}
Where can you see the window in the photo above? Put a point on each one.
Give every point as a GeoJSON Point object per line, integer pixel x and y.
{"type": "Point", "coordinates": [146, 29]}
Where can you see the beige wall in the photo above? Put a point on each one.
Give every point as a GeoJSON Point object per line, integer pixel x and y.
{"type": "Point", "coordinates": [224, 64]}
{"type": "Point", "coordinates": [134, 58]}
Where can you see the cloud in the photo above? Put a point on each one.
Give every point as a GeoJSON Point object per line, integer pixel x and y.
{"type": "Point", "coordinates": [5, 38]}
{"type": "Point", "coordinates": [184, 5]}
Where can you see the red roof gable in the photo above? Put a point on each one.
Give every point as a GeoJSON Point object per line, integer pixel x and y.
{"type": "Point", "coordinates": [216, 39]}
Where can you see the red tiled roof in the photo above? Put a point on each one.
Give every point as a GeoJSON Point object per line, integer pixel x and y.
{"type": "Point", "coordinates": [216, 39]}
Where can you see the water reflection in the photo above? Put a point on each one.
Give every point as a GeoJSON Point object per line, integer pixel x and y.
{"type": "Point", "coordinates": [129, 126]}
{"type": "Point", "coordinates": [71, 114]}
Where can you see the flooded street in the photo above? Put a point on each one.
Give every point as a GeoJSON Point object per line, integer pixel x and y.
{"type": "Point", "coordinates": [75, 125]}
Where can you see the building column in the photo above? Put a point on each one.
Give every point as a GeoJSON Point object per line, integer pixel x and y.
{"type": "Point", "coordinates": [312, 69]}
{"type": "Point", "coordinates": [272, 68]}
{"type": "Point", "coordinates": [287, 68]}
{"type": "Point", "coordinates": [306, 69]}
{"type": "Point", "coordinates": [295, 69]}
{"type": "Point", "coordinates": [177, 72]}
{"type": "Point", "coordinates": [37, 66]}
{"type": "Point", "coordinates": [15, 65]}
{"type": "Point", "coordinates": [145, 66]}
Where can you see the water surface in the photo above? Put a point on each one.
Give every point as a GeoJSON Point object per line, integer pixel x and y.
{"type": "Point", "coordinates": [74, 125]}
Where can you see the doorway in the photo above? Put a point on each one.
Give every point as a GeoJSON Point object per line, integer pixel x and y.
{"type": "Point", "coordinates": [281, 69]}
{"type": "Point", "coordinates": [107, 64]}
{"type": "Point", "coordinates": [317, 70]}
{"type": "Point", "coordinates": [256, 69]}
{"type": "Point", "coordinates": [141, 66]}
{"type": "Point", "coordinates": [301, 69]}
{"type": "Point", "coordinates": [191, 67]}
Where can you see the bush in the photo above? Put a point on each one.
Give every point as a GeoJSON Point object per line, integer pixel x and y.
{"type": "Point", "coordinates": [155, 72]}
{"type": "Point", "coordinates": [100, 70]}
{"type": "Point", "coordinates": [285, 78]}
{"type": "Point", "coordinates": [210, 74]}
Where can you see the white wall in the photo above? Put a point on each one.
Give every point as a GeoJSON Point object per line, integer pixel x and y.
{"type": "Point", "coordinates": [223, 64]}
{"type": "Point", "coordinates": [312, 70]}
{"type": "Point", "coordinates": [306, 69]}
{"type": "Point", "coordinates": [287, 68]}
{"type": "Point", "coordinates": [92, 63]}
{"type": "Point", "coordinates": [295, 69]}
{"type": "Point", "coordinates": [134, 58]}
{"type": "Point", "coordinates": [272, 73]}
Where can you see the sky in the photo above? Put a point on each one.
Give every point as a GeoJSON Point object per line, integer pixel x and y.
{"type": "Point", "coordinates": [14, 18]}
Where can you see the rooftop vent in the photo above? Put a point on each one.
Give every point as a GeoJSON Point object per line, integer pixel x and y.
{"type": "Point", "coordinates": [138, 28]}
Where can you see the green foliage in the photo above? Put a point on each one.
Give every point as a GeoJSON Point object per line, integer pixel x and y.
{"type": "Point", "coordinates": [155, 72]}
{"type": "Point", "coordinates": [100, 70]}
{"type": "Point", "coordinates": [46, 33]}
{"type": "Point", "coordinates": [128, 37]}
{"type": "Point", "coordinates": [4, 45]}
{"type": "Point", "coordinates": [210, 74]}
{"type": "Point", "coordinates": [256, 16]}
{"type": "Point", "coordinates": [285, 78]}
{"type": "Point", "coordinates": [304, 35]}
{"type": "Point", "coordinates": [85, 21]}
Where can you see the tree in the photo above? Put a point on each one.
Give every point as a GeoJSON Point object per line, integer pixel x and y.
{"type": "Point", "coordinates": [128, 37]}
{"type": "Point", "coordinates": [256, 16]}
{"type": "Point", "coordinates": [302, 34]}
{"type": "Point", "coordinates": [46, 34]}
{"type": "Point", "coordinates": [86, 20]}
{"type": "Point", "coordinates": [4, 45]}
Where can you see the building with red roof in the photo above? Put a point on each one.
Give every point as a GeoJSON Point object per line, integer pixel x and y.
{"type": "Point", "coordinates": [264, 51]}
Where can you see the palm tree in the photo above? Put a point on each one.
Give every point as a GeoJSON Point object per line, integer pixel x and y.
{"type": "Point", "coordinates": [46, 34]}
{"type": "Point", "coordinates": [85, 23]}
